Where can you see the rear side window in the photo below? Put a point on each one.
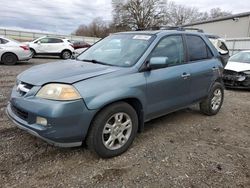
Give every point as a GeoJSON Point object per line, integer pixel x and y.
{"type": "Point", "coordinates": [197, 48]}
{"type": "Point", "coordinates": [51, 40]}
{"type": "Point", "coordinates": [55, 40]}
{"type": "Point", "coordinates": [3, 41]}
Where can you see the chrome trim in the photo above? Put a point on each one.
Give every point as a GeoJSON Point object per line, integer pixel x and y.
{"type": "Point", "coordinates": [21, 87]}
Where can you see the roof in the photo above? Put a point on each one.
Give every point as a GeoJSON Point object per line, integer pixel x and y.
{"type": "Point", "coordinates": [149, 32]}
{"type": "Point", "coordinates": [161, 32]}
{"type": "Point", "coordinates": [245, 14]}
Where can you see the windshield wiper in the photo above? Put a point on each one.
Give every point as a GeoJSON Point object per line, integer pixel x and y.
{"type": "Point", "coordinates": [96, 61]}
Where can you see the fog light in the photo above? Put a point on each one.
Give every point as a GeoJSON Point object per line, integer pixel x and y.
{"type": "Point", "coordinates": [41, 121]}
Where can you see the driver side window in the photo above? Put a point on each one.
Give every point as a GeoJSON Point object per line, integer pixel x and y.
{"type": "Point", "coordinates": [172, 48]}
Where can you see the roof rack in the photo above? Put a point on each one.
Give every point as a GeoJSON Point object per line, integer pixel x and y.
{"type": "Point", "coordinates": [177, 28]}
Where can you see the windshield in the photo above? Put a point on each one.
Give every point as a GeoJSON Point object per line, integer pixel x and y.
{"type": "Point", "coordinates": [118, 50]}
{"type": "Point", "coordinates": [243, 57]}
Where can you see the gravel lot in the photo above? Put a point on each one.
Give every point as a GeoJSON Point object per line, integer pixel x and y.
{"type": "Point", "coordinates": [182, 149]}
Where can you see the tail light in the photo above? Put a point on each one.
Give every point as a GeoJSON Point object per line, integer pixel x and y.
{"type": "Point", "coordinates": [25, 47]}
{"type": "Point", "coordinates": [72, 45]}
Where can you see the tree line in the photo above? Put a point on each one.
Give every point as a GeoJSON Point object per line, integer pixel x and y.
{"type": "Point", "coordinates": [143, 14]}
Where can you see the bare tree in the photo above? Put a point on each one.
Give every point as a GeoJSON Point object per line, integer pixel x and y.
{"type": "Point", "coordinates": [217, 12]}
{"type": "Point", "coordinates": [142, 14]}
{"type": "Point", "coordinates": [137, 14]}
{"type": "Point", "coordinates": [176, 14]}
{"type": "Point", "coordinates": [97, 28]}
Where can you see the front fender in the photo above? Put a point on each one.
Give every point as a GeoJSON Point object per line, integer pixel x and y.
{"type": "Point", "coordinates": [105, 89]}
{"type": "Point", "coordinates": [109, 97]}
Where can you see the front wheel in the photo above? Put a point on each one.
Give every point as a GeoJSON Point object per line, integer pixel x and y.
{"type": "Point", "coordinates": [212, 104]}
{"type": "Point", "coordinates": [113, 130]}
{"type": "Point", "coordinates": [66, 54]}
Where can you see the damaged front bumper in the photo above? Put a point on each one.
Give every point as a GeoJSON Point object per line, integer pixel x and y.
{"type": "Point", "coordinates": [235, 79]}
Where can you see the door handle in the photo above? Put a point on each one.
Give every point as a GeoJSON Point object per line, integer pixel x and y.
{"type": "Point", "coordinates": [185, 75]}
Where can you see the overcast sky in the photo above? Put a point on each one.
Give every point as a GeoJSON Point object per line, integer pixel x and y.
{"type": "Point", "coordinates": [64, 16]}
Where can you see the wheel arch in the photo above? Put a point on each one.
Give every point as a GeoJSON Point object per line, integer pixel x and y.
{"type": "Point", "coordinates": [66, 49]}
{"type": "Point", "coordinates": [218, 80]}
{"type": "Point", "coordinates": [135, 103]}
{"type": "Point", "coordinates": [9, 53]}
{"type": "Point", "coordinates": [33, 49]}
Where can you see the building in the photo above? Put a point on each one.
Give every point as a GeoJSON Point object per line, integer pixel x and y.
{"type": "Point", "coordinates": [233, 26]}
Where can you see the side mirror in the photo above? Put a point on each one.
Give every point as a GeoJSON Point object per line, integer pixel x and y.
{"type": "Point", "coordinates": [39, 42]}
{"type": "Point", "coordinates": [158, 62]}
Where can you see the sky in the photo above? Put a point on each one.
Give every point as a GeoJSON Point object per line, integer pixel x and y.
{"type": "Point", "coordinates": [64, 16]}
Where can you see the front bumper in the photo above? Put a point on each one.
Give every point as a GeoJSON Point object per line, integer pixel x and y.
{"type": "Point", "coordinates": [236, 80]}
{"type": "Point", "coordinates": [68, 121]}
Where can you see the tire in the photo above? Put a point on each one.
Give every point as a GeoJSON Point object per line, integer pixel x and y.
{"type": "Point", "coordinates": [106, 124]}
{"type": "Point", "coordinates": [212, 104]}
{"type": "Point", "coordinates": [9, 59]}
{"type": "Point", "coordinates": [66, 54]}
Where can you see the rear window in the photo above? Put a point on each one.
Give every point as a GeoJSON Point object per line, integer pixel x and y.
{"type": "Point", "coordinates": [197, 48]}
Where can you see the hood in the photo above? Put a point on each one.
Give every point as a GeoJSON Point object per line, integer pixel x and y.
{"type": "Point", "coordinates": [69, 71]}
{"type": "Point", "coordinates": [237, 66]}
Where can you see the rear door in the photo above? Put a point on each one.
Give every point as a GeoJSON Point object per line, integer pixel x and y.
{"type": "Point", "coordinates": [55, 45]}
{"type": "Point", "coordinates": [203, 66]}
{"type": "Point", "coordinates": [168, 88]}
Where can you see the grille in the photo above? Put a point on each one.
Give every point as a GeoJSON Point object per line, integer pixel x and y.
{"type": "Point", "coordinates": [230, 72]}
{"type": "Point", "coordinates": [20, 113]}
{"type": "Point", "coordinates": [23, 88]}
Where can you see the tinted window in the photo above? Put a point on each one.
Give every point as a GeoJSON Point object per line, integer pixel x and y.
{"type": "Point", "coordinates": [197, 48]}
{"type": "Point", "coordinates": [172, 48]}
{"type": "Point", "coordinates": [50, 40]}
{"type": "Point", "coordinates": [3, 41]}
{"type": "Point", "coordinates": [55, 40]}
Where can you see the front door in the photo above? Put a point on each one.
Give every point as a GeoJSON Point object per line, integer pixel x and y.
{"type": "Point", "coordinates": [168, 88]}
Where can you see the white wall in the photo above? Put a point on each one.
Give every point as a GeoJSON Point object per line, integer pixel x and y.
{"type": "Point", "coordinates": [227, 28]}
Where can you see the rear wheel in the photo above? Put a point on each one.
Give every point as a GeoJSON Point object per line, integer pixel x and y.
{"type": "Point", "coordinates": [9, 59]}
{"type": "Point", "coordinates": [113, 130]}
{"type": "Point", "coordinates": [212, 104]}
{"type": "Point", "coordinates": [66, 54]}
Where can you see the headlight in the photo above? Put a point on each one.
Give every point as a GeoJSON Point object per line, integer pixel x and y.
{"type": "Point", "coordinates": [58, 92]}
{"type": "Point", "coordinates": [247, 72]}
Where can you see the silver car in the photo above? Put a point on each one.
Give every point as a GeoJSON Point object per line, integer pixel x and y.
{"type": "Point", "coordinates": [12, 51]}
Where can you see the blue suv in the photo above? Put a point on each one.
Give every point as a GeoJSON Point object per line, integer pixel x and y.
{"type": "Point", "coordinates": [108, 92]}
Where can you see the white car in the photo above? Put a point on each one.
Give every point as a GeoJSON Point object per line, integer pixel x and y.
{"type": "Point", "coordinates": [12, 51]}
{"type": "Point", "coordinates": [52, 46]}
{"type": "Point", "coordinates": [220, 45]}
{"type": "Point", "coordinates": [237, 71]}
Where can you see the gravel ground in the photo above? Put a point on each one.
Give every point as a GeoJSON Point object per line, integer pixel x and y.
{"type": "Point", "coordinates": [182, 149]}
